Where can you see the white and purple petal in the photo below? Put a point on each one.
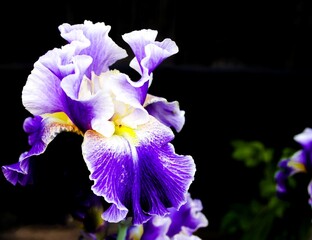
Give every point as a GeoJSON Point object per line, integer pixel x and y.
{"type": "Point", "coordinates": [305, 138]}
{"type": "Point", "coordinates": [142, 176]}
{"type": "Point", "coordinates": [149, 53]}
{"type": "Point", "coordinates": [156, 228]}
{"type": "Point", "coordinates": [41, 131]}
{"type": "Point", "coordinates": [120, 86]}
{"type": "Point", "coordinates": [42, 92]}
{"type": "Point", "coordinates": [287, 168]}
{"type": "Point", "coordinates": [102, 48]}
{"type": "Point", "coordinates": [188, 219]}
{"type": "Point", "coordinates": [54, 73]}
{"type": "Point", "coordinates": [168, 113]}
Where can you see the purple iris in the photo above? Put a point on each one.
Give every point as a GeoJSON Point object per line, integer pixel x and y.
{"type": "Point", "coordinates": [299, 162]}
{"type": "Point", "coordinates": [178, 224]}
{"type": "Point", "coordinates": [126, 131]}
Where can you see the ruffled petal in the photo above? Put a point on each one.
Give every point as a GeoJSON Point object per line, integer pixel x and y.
{"type": "Point", "coordinates": [157, 52]}
{"type": "Point", "coordinates": [41, 131]}
{"type": "Point", "coordinates": [156, 228]}
{"type": "Point", "coordinates": [18, 172]}
{"type": "Point", "coordinates": [138, 39]}
{"type": "Point", "coordinates": [188, 218]}
{"type": "Point", "coordinates": [148, 55]}
{"type": "Point", "coordinates": [102, 48]}
{"type": "Point", "coordinates": [54, 74]}
{"type": "Point", "coordinates": [108, 160]}
{"type": "Point", "coordinates": [140, 174]}
{"type": "Point", "coordinates": [42, 92]}
{"type": "Point", "coordinates": [71, 84]}
{"type": "Point", "coordinates": [168, 113]}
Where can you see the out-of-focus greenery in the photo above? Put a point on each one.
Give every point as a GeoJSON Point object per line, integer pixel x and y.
{"type": "Point", "coordinates": [266, 216]}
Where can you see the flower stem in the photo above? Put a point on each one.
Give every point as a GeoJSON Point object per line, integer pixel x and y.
{"type": "Point", "coordinates": [122, 229]}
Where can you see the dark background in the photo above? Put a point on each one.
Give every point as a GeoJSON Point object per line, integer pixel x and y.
{"type": "Point", "coordinates": [243, 71]}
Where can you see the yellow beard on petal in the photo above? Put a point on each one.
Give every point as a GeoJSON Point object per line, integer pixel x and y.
{"type": "Point", "coordinates": [63, 121]}
{"type": "Point", "coordinates": [126, 132]}
{"type": "Point", "coordinates": [59, 116]}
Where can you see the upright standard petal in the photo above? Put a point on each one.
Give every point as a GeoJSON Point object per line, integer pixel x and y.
{"type": "Point", "coordinates": [149, 53]}
{"type": "Point", "coordinates": [42, 92]}
{"type": "Point", "coordinates": [102, 48]}
{"type": "Point", "coordinates": [138, 172]}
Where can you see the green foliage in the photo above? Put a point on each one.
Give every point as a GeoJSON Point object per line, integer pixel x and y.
{"type": "Point", "coordinates": [251, 153]}
{"type": "Point", "coordinates": [257, 219]}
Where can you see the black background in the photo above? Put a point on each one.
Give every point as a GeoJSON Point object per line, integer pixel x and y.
{"type": "Point", "coordinates": [242, 71]}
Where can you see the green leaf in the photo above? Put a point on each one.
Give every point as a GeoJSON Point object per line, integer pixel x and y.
{"type": "Point", "coordinates": [252, 153]}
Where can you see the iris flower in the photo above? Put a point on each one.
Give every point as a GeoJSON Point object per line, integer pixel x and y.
{"type": "Point", "coordinates": [178, 224]}
{"type": "Point", "coordinates": [126, 131]}
{"type": "Point", "coordinates": [299, 162]}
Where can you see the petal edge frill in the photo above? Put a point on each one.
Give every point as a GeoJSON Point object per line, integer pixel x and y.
{"type": "Point", "coordinates": [102, 48]}
{"type": "Point", "coordinates": [18, 172]}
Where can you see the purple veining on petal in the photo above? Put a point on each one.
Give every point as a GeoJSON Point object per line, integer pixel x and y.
{"type": "Point", "coordinates": [145, 179]}
{"type": "Point", "coordinates": [102, 48]}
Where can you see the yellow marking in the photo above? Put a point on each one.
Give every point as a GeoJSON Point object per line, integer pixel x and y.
{"type": "Point", "coordinates": [61, 116]}
{"type": "Point", "coordinates": [126, 132]}
{"type": "Point", "coordinates": [61, 119]}
{"type": "Point", "coordinates": [298, 166]}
